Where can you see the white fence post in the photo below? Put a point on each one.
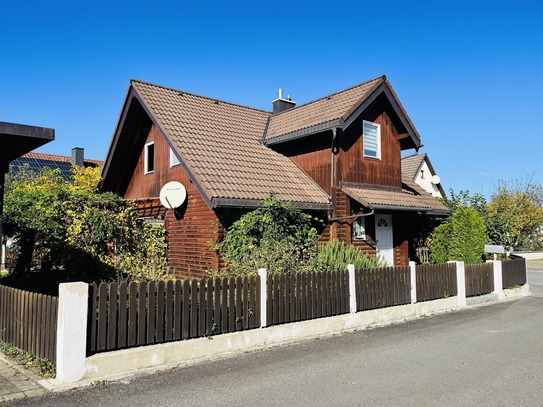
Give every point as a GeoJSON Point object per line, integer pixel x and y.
{"type": "Point", "coordinates": [460, 282]}
{"type": "Point", "coordinates": [352, 289]}
{"type": "Point", "coordinates": [263, 300]}
{"type": "Point", "coordinates": [498, 278]}
{"type": "Point", "coordinates": [413, 267]}
{"type": "Point", "coordinates": [72, 331]}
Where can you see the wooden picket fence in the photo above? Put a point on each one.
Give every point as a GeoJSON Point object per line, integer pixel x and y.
{"type": "Point", "coordinates": [479, 279]}
{"type": "Point", "coordinates": [382, 287]}
{"type": "Point", "coordinates": [126, 315]}
{"type": "Point", "coordinates": [436, 281]}
{"type": "Point", "coordinates": [513, 272]}
{"type": "Point", "coordinates": [295, 297]}
{"type": "Point", "coordinates": [28, 321]}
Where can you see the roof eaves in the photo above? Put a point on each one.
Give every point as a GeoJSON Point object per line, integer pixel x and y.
{"type": "Point", "coordinates": [363, 103]}
{"type": "Point", "coordinates": [115, 138]}
{"type": "Point", "coordinates": [402, 114]}
{"type": "Point", "coordinates": [305, 132]}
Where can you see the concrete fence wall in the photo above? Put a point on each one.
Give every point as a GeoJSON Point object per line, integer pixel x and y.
{"type": "Point", "coordinates": [73, 365]}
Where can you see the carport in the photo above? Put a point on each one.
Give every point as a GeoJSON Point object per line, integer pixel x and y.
{"type": "Point", "coordinates": [15, 141]}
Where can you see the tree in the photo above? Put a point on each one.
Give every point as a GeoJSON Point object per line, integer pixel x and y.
{"type": "Point", "coordinates": [515, 215]}
{"type": "Point", "coordinates": [277, 236]}
{"type": "Point", "coordinates": [83, 231]}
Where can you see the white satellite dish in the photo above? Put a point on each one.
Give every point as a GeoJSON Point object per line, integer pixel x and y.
{"type": "Point", "coordinates": [435, 179]}
{"type": "Point", "coordinates": [173, 194]}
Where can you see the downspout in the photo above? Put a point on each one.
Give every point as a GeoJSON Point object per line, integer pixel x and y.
{"type": "Point", "coordinates": [332, 169]}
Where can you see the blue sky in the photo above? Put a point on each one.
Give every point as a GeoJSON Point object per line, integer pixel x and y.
{"type": "Point", "coordinates": [469, 73]}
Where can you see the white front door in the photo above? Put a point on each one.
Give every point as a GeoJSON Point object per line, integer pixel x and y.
{"type": "Point", "coordinates": [383, 235]}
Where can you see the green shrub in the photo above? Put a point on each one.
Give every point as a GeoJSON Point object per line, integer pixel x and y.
{"type": "Point", "coordinates": [468, 236]}
{"type": "Point", "coordinates": [337, 255]}
{"type": "Point", "coordinates": [439, 244]}
{"type": "Point", "coordinates": [277, 236]}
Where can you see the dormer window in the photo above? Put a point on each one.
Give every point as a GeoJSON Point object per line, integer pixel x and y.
{"type": "Point", "coordinates": [372, 140]}
{"type": "Point", "coordinates": [149, 158]}
{"type": "Point", "coordinates": [173, 159]}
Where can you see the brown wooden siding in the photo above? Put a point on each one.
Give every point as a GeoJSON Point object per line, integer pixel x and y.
{"type": "Point", "coordinates": [354, 167]}
{"type": "Point", "coordinates": [191, 237]}
{"type": "Point", "coordinates": [148, 185]}
{"type": "Point", "coordinates": [195, 228]}
{"type": "Point", "coordinates": [312, 155]}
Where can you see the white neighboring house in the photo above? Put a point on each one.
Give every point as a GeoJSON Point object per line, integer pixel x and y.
{"type": "Point", "coordinates": [419, 168]}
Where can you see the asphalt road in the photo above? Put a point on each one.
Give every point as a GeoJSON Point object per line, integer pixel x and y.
{"type": "Point", "coordinates": [485, 356]}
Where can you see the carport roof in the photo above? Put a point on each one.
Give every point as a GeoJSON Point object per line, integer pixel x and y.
{"type": "Point", "coordinates": [19, 139]}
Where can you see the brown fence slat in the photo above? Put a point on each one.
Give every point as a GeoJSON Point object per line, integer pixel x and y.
{"type": "Point", "coordinates": [216, 327]}
{"type": "Point", "coordinates": [151, 312]}
{"type": "Point", "coordinates": [224, 304]}
{"type": "Point", "coordinates": [187, 313]}
{"type": "Point", "coordinates": [160, 307]}
{"type": "Point", "coordinates": [123, 315]}
{"type": "Point", "coordinates": [112, 316]}
{"type": "Point", "coordinates": [132, 314]}
{"type": "Point", "coordinates": [209, 307]}
{"type": "Point", "coordinates": [142, 299]}
{"type": "Point", "coordinates": [177, 309]}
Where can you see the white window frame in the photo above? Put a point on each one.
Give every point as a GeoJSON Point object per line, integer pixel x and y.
{"type": "Point", "coordinates": [377, 141]}
{"type": "Point", "coordinates": [174, 161]}
{"type": "Point", "coordinates": [359, 228]}
{"type": "Point", "coordinates": [146, 158]}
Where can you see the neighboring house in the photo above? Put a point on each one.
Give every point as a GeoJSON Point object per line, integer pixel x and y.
{"type": "Point", "coordinates": [36, 161]}
{"type": "Point", "coordinates": [419, 168]}
{"type": "Point", "coordinates": [338, 157]}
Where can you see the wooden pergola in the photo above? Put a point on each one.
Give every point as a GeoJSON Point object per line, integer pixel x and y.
{"type": "Point", "coordinates": [15, 141]}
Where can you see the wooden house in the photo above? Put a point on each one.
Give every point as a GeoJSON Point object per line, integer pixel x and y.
{"type": "Point", "coordinates": [419, 168]}
{"type": "Point", "coordinates": [338, 156]}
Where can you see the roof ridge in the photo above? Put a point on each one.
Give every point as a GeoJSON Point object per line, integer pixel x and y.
{"type": "Point", "coordinates": [414, 155]}
{"type": "Point", "coordinates": [199, 96]}
{"type": "Point", "coordinates": [383, 77]}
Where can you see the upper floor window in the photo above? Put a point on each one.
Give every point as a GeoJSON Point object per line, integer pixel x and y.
{"type": "Point", "coordinates": [359, 229]}
{"type": "Point", "coordinates": [149, 157]}
{"type": "Point", "coordinates": [173, 159]}
{"type": "Point", "coordinates": [372, 139]}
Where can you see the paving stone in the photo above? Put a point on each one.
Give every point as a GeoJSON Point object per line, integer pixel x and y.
{"type": "Point", "coordinates": [15, 385]}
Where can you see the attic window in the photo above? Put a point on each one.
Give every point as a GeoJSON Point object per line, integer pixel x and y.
{"type": "Point", "coordinates": [149, 157]}
{"type": "Point", "coordinates": [372, 140]}
{"type": "Point", "coordinates": [173, 159]}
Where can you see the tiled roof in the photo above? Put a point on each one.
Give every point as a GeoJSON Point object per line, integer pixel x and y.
{"type": "Point", "coordinates": [411, 164]}
{"type": "Point", "coordinates": [332, 107]}
{"type": "Point", "coordinates": [410, 197]}
{"type": "Point", "coordinates": [225, 154]}
{"type": "Point", "coordinates": [60, 158]}
{"type": "Point", "coordinates": [37, 161]}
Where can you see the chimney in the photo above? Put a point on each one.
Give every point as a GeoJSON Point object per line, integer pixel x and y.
{"type": "Point", "coordinates": [280, 104]}
{"type": "Point", "coordinates": [78, 156]}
